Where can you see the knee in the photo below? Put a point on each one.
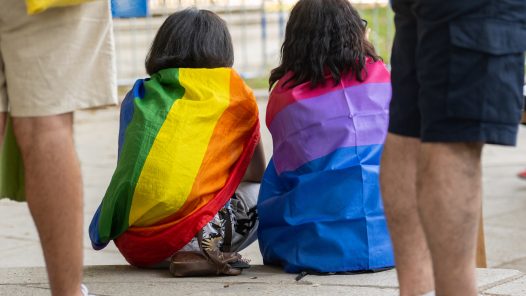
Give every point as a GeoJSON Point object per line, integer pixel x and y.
{"type": "Point", "coordinates": [34, 133]}
{"type": "Point", "coordinates": [462, 156]}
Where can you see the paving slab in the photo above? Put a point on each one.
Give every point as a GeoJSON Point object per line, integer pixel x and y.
{"type": "Point", "coordinates": [504, 244]}
{"type": "Point", "coordinates": [259, 280]}
{"type": "Point", "coordinates": [497, 208]}
{"type": "Point", "coordinates": [515, 287]}
{"type": "Point", "coordinates": [509, 219]}
{"type": "Point", "coordinates": [518, 263]}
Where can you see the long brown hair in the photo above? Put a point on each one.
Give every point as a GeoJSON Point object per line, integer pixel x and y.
{"type": "Point", "coordinates": [323, 35]}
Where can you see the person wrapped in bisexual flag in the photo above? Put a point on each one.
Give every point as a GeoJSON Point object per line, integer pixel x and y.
{"type": "Point", "coordinates": [190, 159]}
{"type": "Point", "coordinates": [320, 206]}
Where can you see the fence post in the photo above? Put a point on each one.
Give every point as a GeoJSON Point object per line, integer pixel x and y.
{"type": "Point", "coordinates": [264, 36]}
{"type": "Point", "coordinates": [281, 15]}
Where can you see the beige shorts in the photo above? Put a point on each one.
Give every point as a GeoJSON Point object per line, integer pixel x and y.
{"type": "Point", "coordinates": [57, 61]}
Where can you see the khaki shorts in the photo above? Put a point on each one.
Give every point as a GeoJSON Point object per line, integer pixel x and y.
{"type": "Point", "coordinates": [57, 61]}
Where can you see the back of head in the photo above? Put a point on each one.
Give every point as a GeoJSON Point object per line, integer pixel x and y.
{"type": "Point", "coordinates": [321, 36]}
{"type": "Point", "coordinates": [191, 38]}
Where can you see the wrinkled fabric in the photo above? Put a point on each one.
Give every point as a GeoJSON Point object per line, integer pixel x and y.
{"type": "Point", "coordinates": [186, 138]}
{"type": "Point", "coordinates": [319, 205]}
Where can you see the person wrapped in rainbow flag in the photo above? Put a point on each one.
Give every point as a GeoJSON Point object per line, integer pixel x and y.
{"type": "Point", "coordinates": [189, 136]}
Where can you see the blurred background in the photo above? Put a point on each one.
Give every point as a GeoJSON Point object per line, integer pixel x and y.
{"type": "Point", "coordinates": [257, 28]}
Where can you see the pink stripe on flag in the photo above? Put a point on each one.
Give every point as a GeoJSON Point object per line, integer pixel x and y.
{"type": "Point", "coordinates": [312, 128]}
{"type": "Point", "coordinates": [282, 97]}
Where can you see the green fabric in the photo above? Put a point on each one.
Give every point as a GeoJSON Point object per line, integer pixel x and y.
{"type": "Point", "coordinates": [11, 167]}
{"type": "Point", "coordinates": [149, 114]}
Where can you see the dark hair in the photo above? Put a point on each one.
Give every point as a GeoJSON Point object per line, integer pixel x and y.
{"type": "Point", "coordinates": [191, 38]}
{"type": "Point", "coordinates": [321, 36]}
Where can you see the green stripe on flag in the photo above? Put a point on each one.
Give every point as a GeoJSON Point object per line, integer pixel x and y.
{"type": "Point", "coordinates": [150, 112]}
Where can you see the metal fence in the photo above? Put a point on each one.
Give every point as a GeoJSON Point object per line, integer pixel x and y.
{"type": "Point", "coordinates": [257, 28]}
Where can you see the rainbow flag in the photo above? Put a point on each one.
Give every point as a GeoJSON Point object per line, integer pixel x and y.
{"type": "Point", "coordinates": [319, 206]}
{"type": "Point", "coordinates": [186, 138]}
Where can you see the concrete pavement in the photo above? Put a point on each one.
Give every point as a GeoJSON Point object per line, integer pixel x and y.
{"type": "Point", "coordinates": [259, 280]}
{"type": "Point", "coordinates": [96, 139]}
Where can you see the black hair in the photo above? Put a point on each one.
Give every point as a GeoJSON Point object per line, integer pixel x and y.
{"type": "Point", "coordinates": [191, 38]}
{"type": "Point", "coordinates": [321, 36]}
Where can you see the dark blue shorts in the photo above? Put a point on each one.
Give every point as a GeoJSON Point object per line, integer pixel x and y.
{"type": "Point", "coordinates": [458, 70]}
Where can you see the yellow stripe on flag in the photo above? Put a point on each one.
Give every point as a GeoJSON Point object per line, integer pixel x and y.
{"type": "Point", "coordinates": [176, 155]}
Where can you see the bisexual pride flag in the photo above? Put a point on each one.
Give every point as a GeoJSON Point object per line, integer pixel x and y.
{"type": "Point", "coordinates": [186, 139]}
{"type": "Point", "coordinates": [319, 206]}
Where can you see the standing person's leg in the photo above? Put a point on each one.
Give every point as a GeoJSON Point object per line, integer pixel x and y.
{"type": "Point", "coordinates": [449, 202]}
{"type": "Point", "coordinates": [398, 170]}
{"type": "Point", "coordinates": [398, 177]}
{"type": "Point", "coordinates": [54, 195]}
{"type": "Point", "coordinates": [469, 95]}
{"type": "Point", "coordinates": [56, 62]}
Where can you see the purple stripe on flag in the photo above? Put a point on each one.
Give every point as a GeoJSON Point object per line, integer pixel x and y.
{"type": "Point", "coordinates": [312, 128]}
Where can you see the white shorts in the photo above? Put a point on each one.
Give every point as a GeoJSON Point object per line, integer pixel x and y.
{"type": "Point", "coordinates": [58, 61]}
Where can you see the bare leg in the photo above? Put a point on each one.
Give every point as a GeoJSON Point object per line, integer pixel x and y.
{"type": "Point", "coordinates": [398, 183]}
{"type": "Point", "coordinates": [449, 203]}
{"type": "Point", "coordinates": [54, 195]}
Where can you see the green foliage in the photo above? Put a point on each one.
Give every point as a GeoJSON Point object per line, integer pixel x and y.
{"type": "Point", "coordinates": [381, 23]}
{"type": "Point", "coordinates": [380, 19]}
{"type": "Point", "coordinates": [257, 82]}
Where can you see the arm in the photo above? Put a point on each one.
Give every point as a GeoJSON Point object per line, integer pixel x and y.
{"type": "Point", "coordinates": [256, 168]}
